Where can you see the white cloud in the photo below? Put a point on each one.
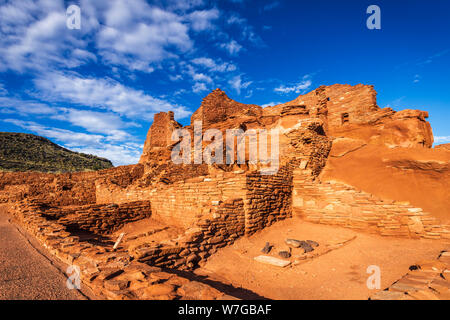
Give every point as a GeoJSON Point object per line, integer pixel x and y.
{"type": "Point", "coordinates": [3, 91]}
{"type": "Point", "coordinates": [231, 47]}
{"type": "Point", "coordinates": [184, 5]}
{"type": "Point", "coordinates": [105, 93]}
{"type": "Point", "coordinates": [137, 35]}
{"type": "Point", "coordinates": [96, 122]}
{"type": "Point", "coordinates": [177, 77]}
{"type": "Point", "coordinates": [395, 103]}
{"type": "Point", "coordinates": [199, 87]}
{"type": "Point", "coordinates": [236, 19]}
{"type": "Point", "coordinates": [237, 84]}
{"type": "Point", "coordinates": [201, 20]}
{"type": "Point", "coordinates": [246, 31]}
{"type": "Point", "coordinates": [431, 58]}
{"type": "Point", "coordinates": [123, 154]}
{"type": "Point", "coordinates": [131, 34]}
{"type": "Point", "coordinates": [34, 36]}
{"type": "Point", "coordinates": [211, 65]}
{"type": "Point", "coordinates": [271, 6]}
{"type": "Point", "coordinates": [441, 139]}
{"type": "Point", "coordinates": [201, 77]}
{"type": "Point", "coordinates": [13, 105]}
{"type": "Point", "coordinates": [297, 88]}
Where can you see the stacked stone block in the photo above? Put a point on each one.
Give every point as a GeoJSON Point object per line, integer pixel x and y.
{"type": "Point", "coordinates": [340, 204]}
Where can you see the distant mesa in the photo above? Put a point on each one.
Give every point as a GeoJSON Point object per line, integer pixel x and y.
{"type": "Point", "coordinates": [28, 152]}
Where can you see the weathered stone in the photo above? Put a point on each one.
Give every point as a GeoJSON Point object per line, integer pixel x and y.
{"type": "Point", "coordinates": [272, 261]}
{"type": "Point", "coordinates": [312, 243]}
{"type": "Point", "coordinates": [192, 258]}
{"type": "Point", "coordinates": [293, 243]}
{"type": "Point", "coordinates": [116, 284]}
{"type": "Point", "coordinates": [266, 248]}
{"type": "Point", "coordinates": [160, 289]}
{"type": "Point", "coordinates": [284, 254]}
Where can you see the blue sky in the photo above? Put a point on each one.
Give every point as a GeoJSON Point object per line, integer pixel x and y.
{"type": "Point", "coordinates": [95, 89]}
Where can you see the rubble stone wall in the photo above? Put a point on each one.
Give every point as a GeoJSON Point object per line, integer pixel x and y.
{"type": "Point", "coordinates": [100, 219]}
{"type": "Point", "coordinates": [110, 274]}
{"type": "Point", "coordinates": [268, 199]}
{"type": "Point", "coordinates": [222, 228]}
{"type": "Point", "coordinates": [63, 189]}
{"type": "Point", "coordinates": [185, 202]}
{"type": "Point", "coordinates": [264, 199]}
{"type": "Point", "coordinates": [343, 205]}
{"type": "Point", "coordinates": [182, 203]}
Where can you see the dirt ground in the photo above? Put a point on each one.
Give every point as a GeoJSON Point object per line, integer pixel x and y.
{"type": "Point", "coordinates": [146, 231]}
{"type": "Point", "coordinates": [26, 272]}
{"type": "Point", "coordinates": [338, 274]}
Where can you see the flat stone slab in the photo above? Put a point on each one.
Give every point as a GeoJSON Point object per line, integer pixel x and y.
{"type": "Point", "coordinates": [272, 261]}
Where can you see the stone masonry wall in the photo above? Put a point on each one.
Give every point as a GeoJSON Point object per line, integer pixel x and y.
{"type": "Point", "coordinates": [350, 103]}
{"type": "Point", "coordinates": [214, 211]}
{"type": "Point", "coordinates": [100, 219]}
{"type": "Point", "coordinates": [225, 225]}
{"type": "Point", "coordinates": [63, 189]}
{"type": "Point", "coordinates": [268, 199]}
{"type": "Point", "coordinates": [182, 203]}
{"type": "Point", "coordinates": [110, 274]}
{"type": "Point", "coordinates": [264, 199]}
{"type": "Point", "coordinates": [340, 204]}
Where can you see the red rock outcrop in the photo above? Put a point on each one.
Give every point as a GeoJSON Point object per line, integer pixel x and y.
{"type": "Point", "coordinates": [352, 112]}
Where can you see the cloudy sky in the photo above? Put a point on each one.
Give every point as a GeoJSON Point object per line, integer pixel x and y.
{"type": "Point", "coordinates": [95, 89]}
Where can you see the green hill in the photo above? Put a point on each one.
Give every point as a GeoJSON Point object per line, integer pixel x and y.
{"type": "Point", "coordinates": [28, 152]}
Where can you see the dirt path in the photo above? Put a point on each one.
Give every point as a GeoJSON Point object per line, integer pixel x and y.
{"type": "Point", "coordinates": [24, 272]}
{"type": "Point", "coordinates": [339, 274]}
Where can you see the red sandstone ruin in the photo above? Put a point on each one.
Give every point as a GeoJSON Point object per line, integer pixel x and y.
{"type": "Point", "coordinates": [343, 161]}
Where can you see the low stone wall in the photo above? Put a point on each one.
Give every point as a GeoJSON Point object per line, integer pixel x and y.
{"type": "Point", "coordinates": [63, 189]}
{"type": "Point", "coordinates": [182, 203]}
{"type": "Point", "coordinates": [109, 274]}
{"type": "Point", "coordinates": [225, 225]}
{"type": "Point", "coordinates": [340, 204]}
{"type": "Point", "coordinates": [100, 219]}
{"type": "Point", "coordinates": [216, 218]}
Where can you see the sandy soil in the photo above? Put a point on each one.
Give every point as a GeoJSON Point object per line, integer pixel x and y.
{"type": "Point", "coordinates": [339, 274]}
